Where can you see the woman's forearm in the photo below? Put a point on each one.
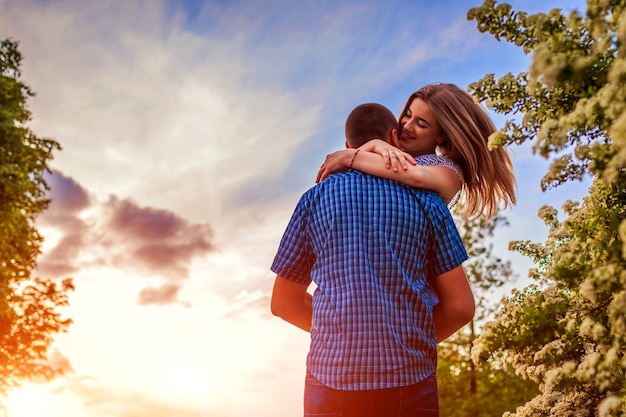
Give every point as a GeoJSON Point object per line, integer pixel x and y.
{"type": "Point", "coordinates": [441, 179]}
{"type": "Point", "coordinates": [374, 164]}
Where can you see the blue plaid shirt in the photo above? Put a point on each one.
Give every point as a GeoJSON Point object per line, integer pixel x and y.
{"type": "Point", "coordinates": [369, 245]}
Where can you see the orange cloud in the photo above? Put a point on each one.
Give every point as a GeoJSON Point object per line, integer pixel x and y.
{"type": "Point", "coordinates": [121, 234]}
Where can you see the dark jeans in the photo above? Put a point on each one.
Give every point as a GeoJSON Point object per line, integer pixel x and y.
{"type": "Point", "coordinates": [418, 400]}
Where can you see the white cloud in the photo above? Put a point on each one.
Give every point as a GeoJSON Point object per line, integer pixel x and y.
{"type": "Point", "coordinates": [446, 40]}
{"type": "Point", "coordinates": [152, 111]}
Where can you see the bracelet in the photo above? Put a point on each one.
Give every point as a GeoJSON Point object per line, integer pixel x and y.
{"type": "Point", "coordinates": [353, 158]}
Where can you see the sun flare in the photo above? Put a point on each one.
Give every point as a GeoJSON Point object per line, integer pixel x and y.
{"type": "Point", "coordinates": [31, 401]}
{"type": "Point", "coordinates": [191, 380]}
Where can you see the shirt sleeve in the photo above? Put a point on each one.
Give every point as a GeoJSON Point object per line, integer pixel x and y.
{"type": "Point", "coordinates": [448, 250]}
{"type": "Point", "coordinates": [441, 160]}
{"type": "Point", "coordinates": [294, 258]}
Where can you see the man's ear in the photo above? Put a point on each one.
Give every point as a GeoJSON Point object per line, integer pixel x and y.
{"type": "Point", "coordinates": [393, 138]}
{"type": "Point", "coordinates": [347, 144]}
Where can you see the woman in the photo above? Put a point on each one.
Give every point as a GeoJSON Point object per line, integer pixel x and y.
{"type": "Point", "coordinates": [440, 123]}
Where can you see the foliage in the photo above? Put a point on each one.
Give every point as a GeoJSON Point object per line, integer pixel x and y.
{"type": "Point", "coordinates": [567, 332]}
{"type": "Point", "coordinates": [481, 389]}
{"type": "Point", "coordinates": [486, 271]}
{"type": "Point", "coordinates": [468, 389]}
{"type": "Point", "coordinates": [28, 316]}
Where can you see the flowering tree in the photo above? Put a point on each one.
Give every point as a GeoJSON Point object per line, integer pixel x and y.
{"type": "Point", "coordinates": [485, 388]}
{"type": "Point", "coordinates": [567, 332]}
{"type": "Point", "coordinates": [28, 305]}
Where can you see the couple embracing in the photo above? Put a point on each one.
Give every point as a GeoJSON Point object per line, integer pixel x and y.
{"type": "Point", "coordinates": [376, 237]}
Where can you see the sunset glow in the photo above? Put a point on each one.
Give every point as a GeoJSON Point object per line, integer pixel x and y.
{"type": "Point", "coordinates": [33, 400]}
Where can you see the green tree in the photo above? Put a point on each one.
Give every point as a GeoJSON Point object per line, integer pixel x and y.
{"type": "Point", "coordinates": [567, 332]}
{"type": "Point", "coordinates": [28, 305]}
{"type": "Point", "coordinates": [468, 389]}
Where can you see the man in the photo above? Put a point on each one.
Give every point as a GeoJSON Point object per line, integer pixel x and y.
{"type": "Point", "coordinates": [369, 245]}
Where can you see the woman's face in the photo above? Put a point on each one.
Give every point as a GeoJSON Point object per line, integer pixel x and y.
{"type": "Point", "coordinates": [420, 129]}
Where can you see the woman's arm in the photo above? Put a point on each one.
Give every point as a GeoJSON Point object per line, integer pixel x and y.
{"type": "Point", "coordinates": [441, 179]}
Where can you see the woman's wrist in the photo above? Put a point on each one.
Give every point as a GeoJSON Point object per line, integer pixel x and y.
{"type": "Point", "coordinates": [356, 152]}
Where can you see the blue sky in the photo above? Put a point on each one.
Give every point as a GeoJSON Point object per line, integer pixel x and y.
{"type": "Point", "coordinates": [189, 131]}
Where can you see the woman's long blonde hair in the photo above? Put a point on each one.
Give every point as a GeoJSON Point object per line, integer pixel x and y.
{"type": "Point", "coordinates": [465, 128]}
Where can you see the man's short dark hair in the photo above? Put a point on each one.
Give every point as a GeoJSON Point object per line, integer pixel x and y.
{"type": "Point", "coordinates": [369, 121]}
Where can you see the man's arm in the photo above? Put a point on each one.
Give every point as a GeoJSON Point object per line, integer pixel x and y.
{"type": "Point", "coordinates": [456, 302]}
{"type": "Point", "coordinates": [292, 303]}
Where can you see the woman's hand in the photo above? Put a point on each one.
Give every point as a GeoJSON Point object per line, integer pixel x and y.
{"type": "Point", "coordinates": [393, 156]}
{"type": "Point", "coordinates": [335, 162]}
